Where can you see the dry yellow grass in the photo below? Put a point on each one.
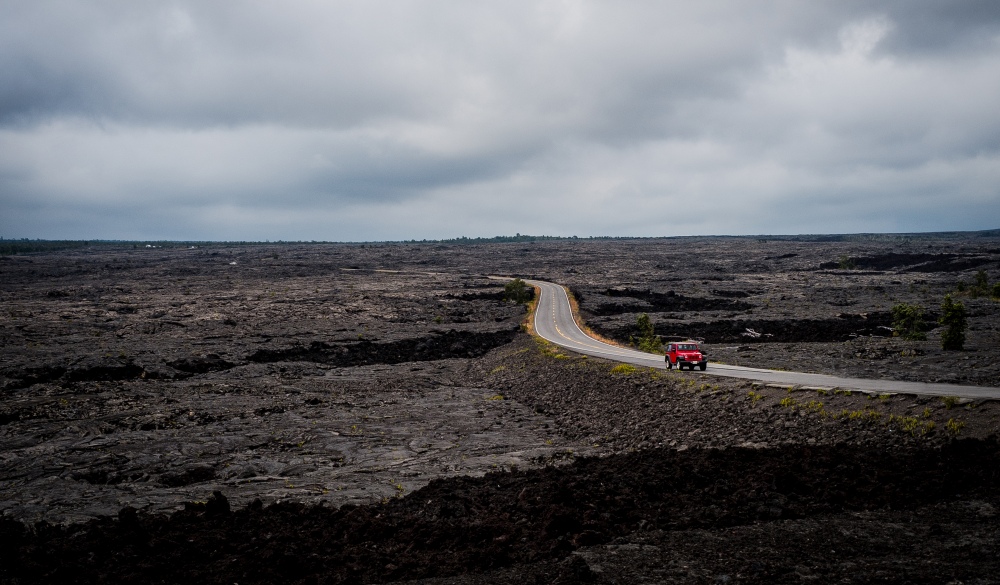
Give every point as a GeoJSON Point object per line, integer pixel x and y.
{"type": "Point", "coordinates": [529, 320]}
{"type": "Point", "coordinates": [575, 308]}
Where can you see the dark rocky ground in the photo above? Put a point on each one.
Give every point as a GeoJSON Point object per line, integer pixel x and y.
{"type": "Point", "coordinates": [374, 414]}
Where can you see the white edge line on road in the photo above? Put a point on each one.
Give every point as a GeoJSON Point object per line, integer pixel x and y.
{"type": "Point", "coordinates": [598, 348]}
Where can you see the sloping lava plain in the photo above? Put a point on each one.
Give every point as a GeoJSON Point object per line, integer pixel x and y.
{"type": "Point", "coordinates": [373, 413]}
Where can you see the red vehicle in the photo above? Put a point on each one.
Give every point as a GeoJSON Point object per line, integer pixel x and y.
{"type": "Point", "coordinates": [685, 353]}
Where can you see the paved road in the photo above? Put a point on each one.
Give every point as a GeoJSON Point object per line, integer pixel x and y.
{"type": "Point", "coordinates": [554, 322]}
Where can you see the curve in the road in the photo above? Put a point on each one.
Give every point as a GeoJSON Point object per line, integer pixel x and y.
{"type": "Point", "coordinates": [554, 322]}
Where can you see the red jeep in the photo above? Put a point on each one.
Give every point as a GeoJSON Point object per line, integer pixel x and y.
{"type": "Point", "coordinates": [685, 353]}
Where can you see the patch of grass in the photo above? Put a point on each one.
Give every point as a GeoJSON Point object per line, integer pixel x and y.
{"type": "Point", "coordinates": [496, 397]}
{"type": "Point", "coordinates": [954, 427]}
{"type": "Point", "coordinates": [869, 415]}
{"type": "Point", "coordinates": [788, 402]}
{"type": "Point", "coordinates": [907, 424]}
{"type": "Point", "coordinates": [949, 401]}
{"type": "Point", "coordinates": [528, 325]}
{"type": "Point", "coordinates": [547, 349]}
{"type": "Point", "coordinates": [624, 369]}
{"type": "Point", "coordinates": [497, 369]}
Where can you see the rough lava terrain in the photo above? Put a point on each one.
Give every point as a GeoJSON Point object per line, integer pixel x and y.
{"type": "Point", "coordinates": [376, 413]}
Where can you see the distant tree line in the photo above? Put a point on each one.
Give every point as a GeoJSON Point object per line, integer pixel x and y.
{"type": "Point", "coordinates": [26, 246]}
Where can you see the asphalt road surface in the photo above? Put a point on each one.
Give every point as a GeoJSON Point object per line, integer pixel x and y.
{"type": "Point", "coordinates": [554, 322]}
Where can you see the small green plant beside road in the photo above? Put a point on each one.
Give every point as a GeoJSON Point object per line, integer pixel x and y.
{"type": "Point", "coordinates": [955, 320]}
{"type": "Point", "coordinates": [789, 402]}
{"type": "Point", "coordinates": [624, 369]}
{"type": "Point", "coordinates": [908, 322]}
{"type": "Point", "coordinates": [949, 401]}
{"type": "Point", "coordinates": [550, 349]}
{"type": "Point", "coordinates": [517, 291]}
{"type": "Point", "coordinates": [648, 341]}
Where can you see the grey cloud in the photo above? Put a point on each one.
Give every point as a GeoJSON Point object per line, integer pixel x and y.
{"type": "Point", "coordinates": [202, 64]}
{"type": "Point", "coordinates": [431, 111]}
{"type": "Point", "coordinates": [928, 27]}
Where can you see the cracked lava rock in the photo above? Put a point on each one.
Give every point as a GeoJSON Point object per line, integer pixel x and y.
{"type": "Point", "coordinates": [373, 414]}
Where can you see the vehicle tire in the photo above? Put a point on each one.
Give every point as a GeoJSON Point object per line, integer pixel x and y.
{"type": "Point", "coordinates": [703, 366]}
{"type": "Point", "coordinates": [670, 364]}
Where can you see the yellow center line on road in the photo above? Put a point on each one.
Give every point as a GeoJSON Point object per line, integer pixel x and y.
{"type": "Point", "coordinates": [577, 343]}
{"type": "Point", "coordinates": [600, 349]}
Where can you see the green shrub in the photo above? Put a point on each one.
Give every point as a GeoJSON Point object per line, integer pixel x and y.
{"type": "Point", "coordinates": [648, 341]}
{"type": "Point", "coordinates": [980, 285]}
{"type": "Point", "coordinates": [908, 322]}
{"type": "Point", "coordinates": [517, 291]}
{"type": "Point", "coordinates": [955, 319]}
{"type": "Point", "coordinates": [995, 291]}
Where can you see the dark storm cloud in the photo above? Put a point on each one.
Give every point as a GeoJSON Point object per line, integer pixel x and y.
{"type": "Point", "coordinates": [420, 119]}
{"type": "Point", "coordinates": [931, 27]}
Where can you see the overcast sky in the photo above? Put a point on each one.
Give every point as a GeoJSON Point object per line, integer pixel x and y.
{"type": "Point", "coordinates": [369, 120]}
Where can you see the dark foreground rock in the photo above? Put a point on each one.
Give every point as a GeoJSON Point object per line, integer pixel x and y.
{"type": "Point", "coordinates": [526, 520]}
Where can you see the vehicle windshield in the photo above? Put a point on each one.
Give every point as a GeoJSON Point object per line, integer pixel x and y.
{"type": "Point", "coordinates": [687, 346]}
